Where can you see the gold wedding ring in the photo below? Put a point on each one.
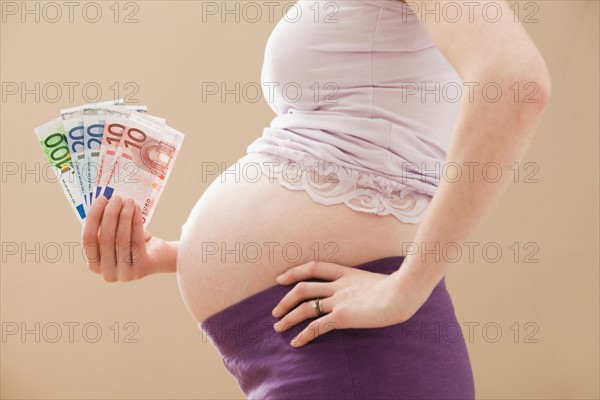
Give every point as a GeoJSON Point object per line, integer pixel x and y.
{"type": "Point", "coordinates": [316, 305]}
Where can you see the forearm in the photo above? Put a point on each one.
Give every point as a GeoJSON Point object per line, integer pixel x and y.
{"type": "Point", "coordinates": [485, 133]}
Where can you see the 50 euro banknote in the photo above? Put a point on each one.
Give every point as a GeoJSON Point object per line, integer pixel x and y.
{"type": "Point", "coordinates": [147, 150]}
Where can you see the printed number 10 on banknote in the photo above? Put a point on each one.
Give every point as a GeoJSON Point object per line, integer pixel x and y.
{"type": "Point", "coordinates": [147, 149]}
{"type": "Point", "coordinates": [103, 148]}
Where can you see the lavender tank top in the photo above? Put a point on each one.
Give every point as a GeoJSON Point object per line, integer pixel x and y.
{"type": "Point", "coordinates": [365, 106]}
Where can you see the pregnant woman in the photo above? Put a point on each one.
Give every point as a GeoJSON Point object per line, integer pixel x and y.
{"type": "Point", "coordinates": [314, 264]}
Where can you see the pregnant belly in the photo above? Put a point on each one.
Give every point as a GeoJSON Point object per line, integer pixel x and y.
{"type": "Point", "coordinates": [243, 232]}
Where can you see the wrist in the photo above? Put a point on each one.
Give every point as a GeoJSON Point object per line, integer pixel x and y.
{"type": "Point", "coordinates": [418, 274]}
{"type": "Point", "coordinates": [169, 263]}
{"type": "Point", "coordinates": [412, 284]}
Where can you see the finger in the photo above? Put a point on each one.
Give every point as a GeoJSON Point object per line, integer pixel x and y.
{"type": "Point", "coordinates": [108, 230]}
{"type": "Point", "coordinates": [315, 329]}
{"type": "Point", "coordinates": [123, 241]}
{"type": "Point", "coordinates": [138, 239]}
{"type": "Point", "coordinates": [301, 292]}
{"type": "Point", "coordinates": [89, 234]}
{"type": "Point", "coordinates": [313, 269]}
{"type": "Point", "coordinates": [301, 313]}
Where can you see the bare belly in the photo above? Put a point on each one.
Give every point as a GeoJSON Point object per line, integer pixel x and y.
{"type": "Point", "coordinates": [241, 234]}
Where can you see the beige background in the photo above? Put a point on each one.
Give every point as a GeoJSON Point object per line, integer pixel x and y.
{"type": "Point", "coordinates": [168, 54]}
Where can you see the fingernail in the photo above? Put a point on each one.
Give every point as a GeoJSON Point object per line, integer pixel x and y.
{"type": "Point", "coordinates": [276, 325]}
{"type": "Point", "coordinates": [279, 278]}
{"type": "Point", "coordinates": [294, 342]}
{"type": "Point", "coordinates": [274, 312]}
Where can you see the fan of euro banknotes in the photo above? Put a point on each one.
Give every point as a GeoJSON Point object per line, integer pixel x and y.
{"type": "Point", "coordinates": [106, 149]}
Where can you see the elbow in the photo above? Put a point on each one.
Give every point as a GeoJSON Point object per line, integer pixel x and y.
{"type": "Point", "coordinates": [524, 82]}
{"type": "Point", "coordinates": [532, 104]}
{"type": "Point", "coordinates": [539, 78]}
{"type": "Point", "coordinates": [528, 87]}
{"type": "Point", "coordinates": [525, 86]}
{"type": "Point", "coordinates": [535, 89]}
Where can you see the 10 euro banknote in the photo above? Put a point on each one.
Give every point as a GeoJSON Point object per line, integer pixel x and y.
{"type": "Point", "coordinates": [109, 148]}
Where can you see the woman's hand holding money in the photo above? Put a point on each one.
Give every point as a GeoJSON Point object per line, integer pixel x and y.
{"type": "Point", "coordinates": [117, 246]}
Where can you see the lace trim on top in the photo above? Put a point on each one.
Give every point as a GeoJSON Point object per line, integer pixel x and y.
{"type": "Point", "coordinates": [328, 183]}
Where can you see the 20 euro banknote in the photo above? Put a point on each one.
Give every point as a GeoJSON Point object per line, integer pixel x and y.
{"type": "Point", "coordinates": [74, 129]}
{"type": "Point", "coordinates": [94, 119]}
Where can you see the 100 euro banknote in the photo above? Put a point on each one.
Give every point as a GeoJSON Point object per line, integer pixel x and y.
{"type": "Point", "coordinates": [53, 139]}
{"type": "Point", "coordinates": [118, 148]}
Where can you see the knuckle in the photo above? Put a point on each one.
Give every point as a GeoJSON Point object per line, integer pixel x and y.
{"type": "Point", "coordinates": [87, 236]}
{"type": "Point", "coordinates": [308, 309]}
{"type": "Point", "coordinates": [94, 214]}
{"type": "Point", "coordinates": [331, 325]}
{"type": "Point", "coordinates": [313, 266]}
{"type": "Point", "coordinates": [340, 316]}
{"type": "Point", "coordinates": [111, 212]}
{"type": "Point", "coordinates": [122, 237]}
{"type": "Point", "coordinates": [120, 254]}
{"type": "Point", "coordinates": [291, 273]}
{"type": "Point", "coordinates": [301, 288]}
{"type": "Point", "coordinates": [286, 324]}
{"type": "Point", "coordinates": [106, 242]}
{"type": "Point", "coordinates": [92, 253]}
{"type": "Point", "coordinates": [106, 238]}
{"type": "Point", "coordinates": [286, 300]}
{"type": "Point", "coordinates": [127, 212]}
{"type": "Point", "coordinates": [314, 325]}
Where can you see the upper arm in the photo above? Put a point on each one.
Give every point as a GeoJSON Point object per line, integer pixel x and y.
{"type": "Point", "coordinates": [481, 38]}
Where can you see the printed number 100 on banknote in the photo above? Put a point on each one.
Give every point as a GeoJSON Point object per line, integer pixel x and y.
{"type": "Point", "coordinates": [124, 151]}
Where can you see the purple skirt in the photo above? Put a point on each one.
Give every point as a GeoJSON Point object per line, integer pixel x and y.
{"type": "Point", "coordinates": [423, 358]}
